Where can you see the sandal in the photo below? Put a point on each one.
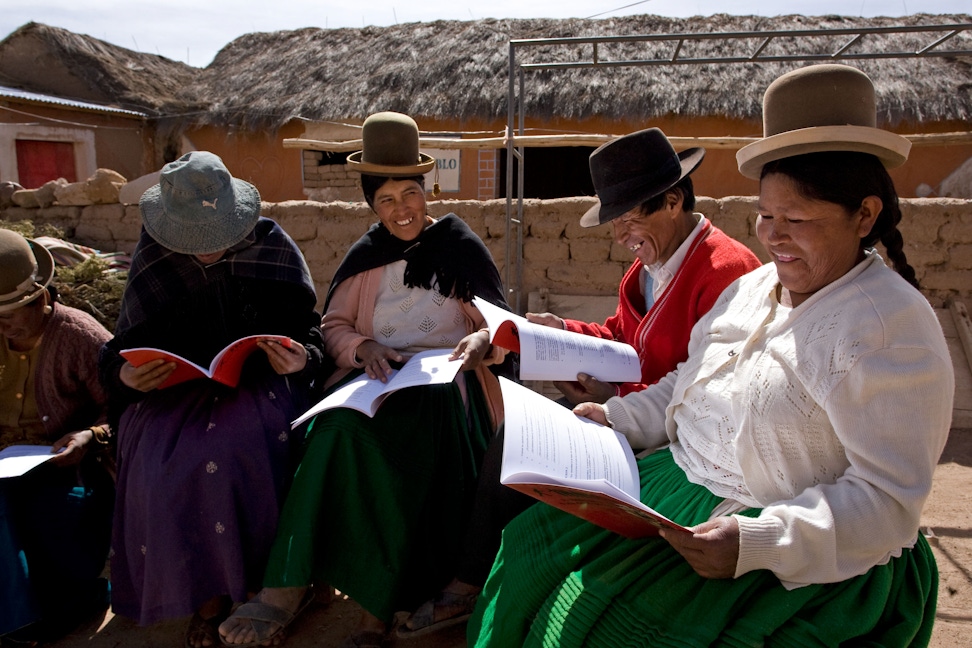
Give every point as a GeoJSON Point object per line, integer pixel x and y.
{"type": "Point", "coordinates": [365, 639]}
{"type": "Point", "coordinates": [424, 617]}
{"type": "Point", "coordinates": [263, 616]}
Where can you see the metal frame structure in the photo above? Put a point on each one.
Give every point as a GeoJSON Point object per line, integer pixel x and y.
{"type": "Point", "coordinates": [762, 39]}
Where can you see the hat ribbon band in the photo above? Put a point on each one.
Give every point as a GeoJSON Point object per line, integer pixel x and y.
{"type": "Point", "coordinates": [639, 184]}
{"type": "Point", "coordinates": [24, 285]}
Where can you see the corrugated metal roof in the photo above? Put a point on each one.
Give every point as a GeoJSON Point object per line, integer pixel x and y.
{"type": "Point", "coordinates": [14, 93]}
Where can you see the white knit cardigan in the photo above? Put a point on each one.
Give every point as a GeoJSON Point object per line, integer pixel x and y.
{"type": "Point", "coordinates": [841, 411]}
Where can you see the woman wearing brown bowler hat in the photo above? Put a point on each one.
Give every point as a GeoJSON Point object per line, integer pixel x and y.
{"type": "Point", "coordinates": [682, 264]}
{"type": "Point", "coordinates": [378, 504]}
{"type": "Point", "coordinates": [797, 442]}
{"type": "Point", "coordinates": [55, 520]}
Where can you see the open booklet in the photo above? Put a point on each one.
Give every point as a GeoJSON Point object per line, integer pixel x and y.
{"type": "Point", "coordinates": [225, 367]}
{"type": "Point", "coordinates": [366, 395]}
{"type": "Point", "coordinates": [17, 460]}
{"type": "Point", "coordinates": [547, 353]}
{"type": "Point", "coordinates": [574, 464]}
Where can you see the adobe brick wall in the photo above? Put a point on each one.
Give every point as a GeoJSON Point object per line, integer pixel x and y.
{"type": "Point", "coordinates": [558, 254]}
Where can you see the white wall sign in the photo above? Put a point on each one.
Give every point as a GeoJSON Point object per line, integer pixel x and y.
{"type": "Point", "coordinates": [447, 163]}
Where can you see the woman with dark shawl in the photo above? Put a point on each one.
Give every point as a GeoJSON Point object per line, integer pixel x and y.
{"type": "Point", "coordinates": [202, 467]}
{"type": "Point", "coordinates": [378, 505]}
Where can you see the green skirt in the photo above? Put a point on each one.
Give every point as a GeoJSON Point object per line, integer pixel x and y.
{"type": "Point", "coordinates": [378, 505]}
{"type": "Point", "coordinates": [560, 581]}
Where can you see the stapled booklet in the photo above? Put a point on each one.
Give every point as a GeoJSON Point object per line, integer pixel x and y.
{"type": "Point", "coordinates": [225, 368]}
{"type": "Point", "coordinates": [574, 464]}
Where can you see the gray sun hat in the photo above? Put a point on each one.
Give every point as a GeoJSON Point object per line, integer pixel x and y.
{"type": "Point", "coordinates": [26, 268]}
{"type": "Point", "coordinates": [198, 207]}
{"type": "Point", "coordinates": [634, 168]}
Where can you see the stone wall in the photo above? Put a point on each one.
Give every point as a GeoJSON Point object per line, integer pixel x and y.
{"type": "Point", "coordinates": [558, 254]}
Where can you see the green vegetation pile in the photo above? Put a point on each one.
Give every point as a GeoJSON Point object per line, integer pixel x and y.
{"type": "Point", "coordinates": [91, 285]}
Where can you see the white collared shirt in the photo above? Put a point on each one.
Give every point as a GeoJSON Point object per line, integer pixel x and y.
{"type": "Point", "coordinates": [662, 273]}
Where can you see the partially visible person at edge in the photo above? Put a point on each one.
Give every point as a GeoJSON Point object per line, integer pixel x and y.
{"type": "Point", "coordinates": [55, 521]}
{"type": "Point", "coordinates": [202, 466]}
{"type": "Point", "coordinates": [683, 262]}
{"type": "Point", "coordinates": [797, 442]}
{"type": "Point", "coordinates": [392, 540]}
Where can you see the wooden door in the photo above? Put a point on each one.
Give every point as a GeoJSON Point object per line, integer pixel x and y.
{"type": "Point", "coordinates": [40, 161]}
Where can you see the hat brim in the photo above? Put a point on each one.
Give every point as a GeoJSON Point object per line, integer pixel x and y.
{"type": "Point", "coordinates": [892, 149]}
{"type": "Point", "coordinates": [178, 238]}
{"type": "Point", "coordinates": [426, 163]}
{"type": "Point", "coordinates": [689, 159]}
{"type": "Point", "coordinates": [45, 269]}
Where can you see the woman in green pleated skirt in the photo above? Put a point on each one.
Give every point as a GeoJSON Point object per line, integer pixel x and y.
{"type": "Point", "coordinates": [562, 582]}
{"type": "Point", "coordinates": [378, 504]}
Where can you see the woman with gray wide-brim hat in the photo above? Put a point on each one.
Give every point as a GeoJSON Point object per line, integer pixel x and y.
{"type": "Point", "coordinates": [796, 443]}
{"type": "Point", "coordinates": [202, 464]}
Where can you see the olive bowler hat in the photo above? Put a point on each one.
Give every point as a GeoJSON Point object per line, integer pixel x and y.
{"type": "Point", "coordinates": [635, 168]}
{"type": "Point", "coordinates": [26, 268]}
{"type": "Point", "coordinates": [821, 108]}
{"type": "Point", "coordinates": [390, 147]}
{"type": "Point", "coordinates": [198, 207]}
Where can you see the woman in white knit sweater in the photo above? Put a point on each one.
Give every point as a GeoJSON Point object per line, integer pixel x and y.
{"type": "Point", "coordinates": [798, 441]}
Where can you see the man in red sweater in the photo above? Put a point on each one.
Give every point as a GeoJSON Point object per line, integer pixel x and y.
{"type": "Point", "coordinates": [683, 262]}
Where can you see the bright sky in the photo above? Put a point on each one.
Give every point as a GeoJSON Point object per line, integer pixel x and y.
{"type": "Point", "coordinates": [192, 31]}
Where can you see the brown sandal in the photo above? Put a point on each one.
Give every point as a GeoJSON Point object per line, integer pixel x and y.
{"type": "Point", "coordinates": [424, 617]}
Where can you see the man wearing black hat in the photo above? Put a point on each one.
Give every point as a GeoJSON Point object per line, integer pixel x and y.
{"type": "Point", "coordinates": [682, 264]}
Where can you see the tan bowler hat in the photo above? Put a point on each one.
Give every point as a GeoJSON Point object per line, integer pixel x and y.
{"type": "Point", "coordinates": [26, 268]}
{"type": "Point", "coordinates": [821, 108]}
{"type": "Point", "coordinates": [390, 147]}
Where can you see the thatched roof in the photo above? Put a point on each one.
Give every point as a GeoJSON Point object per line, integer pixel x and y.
{"type": "Point", "coordinates": [453, 69]}
{"type": "Point", "coordinates": [55, 61]}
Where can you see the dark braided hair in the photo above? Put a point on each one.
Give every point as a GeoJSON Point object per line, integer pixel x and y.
{"type": "Point", "coordinates": [846, 178]}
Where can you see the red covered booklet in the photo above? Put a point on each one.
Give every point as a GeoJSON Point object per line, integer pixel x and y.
{"type": "Point", "coordinates": [573, 464]}
{"type": "Point", "coordinates": [225, 367]}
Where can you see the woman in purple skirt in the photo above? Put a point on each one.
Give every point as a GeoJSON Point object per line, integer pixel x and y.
{"type": "Point", "coordinates": [203, 466]}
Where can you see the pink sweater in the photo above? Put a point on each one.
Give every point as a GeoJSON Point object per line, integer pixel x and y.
{"type": "Point", "coordinates": [69, 395]}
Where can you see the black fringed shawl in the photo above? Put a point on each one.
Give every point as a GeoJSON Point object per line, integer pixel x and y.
{"type": "Point", "coordinates": [447, 254]}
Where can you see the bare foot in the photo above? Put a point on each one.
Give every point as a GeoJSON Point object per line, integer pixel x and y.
{"type": "Point", "coordinates": [241, 629]}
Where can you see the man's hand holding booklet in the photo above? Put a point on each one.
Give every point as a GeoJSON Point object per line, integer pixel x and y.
{"type": "Point", "coordinates": [548, 353]}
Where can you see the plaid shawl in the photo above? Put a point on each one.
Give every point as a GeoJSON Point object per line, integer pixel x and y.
{"type": "Point", "coordinates": [159, 275]}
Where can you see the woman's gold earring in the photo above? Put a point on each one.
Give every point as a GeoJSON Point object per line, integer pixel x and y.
{"type": "Point", "coordinates": [48, 309]}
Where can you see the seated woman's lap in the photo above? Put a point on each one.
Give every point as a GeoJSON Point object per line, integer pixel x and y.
{"type": "Point", "coordinates": [378, 504]}
{"type": "Point", "coordinates": [571, 583]}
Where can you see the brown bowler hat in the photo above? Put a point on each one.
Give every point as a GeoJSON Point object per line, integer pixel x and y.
{"type": "Point", "coordinates": [390, 147]}
{"type": "Point", "coordinates": [26, 268]}
{"type": "Point", "coordinates": [821, 108]}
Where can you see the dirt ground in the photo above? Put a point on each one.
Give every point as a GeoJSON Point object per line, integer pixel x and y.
{"type": "Point", "coordinates": [946, 522]}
